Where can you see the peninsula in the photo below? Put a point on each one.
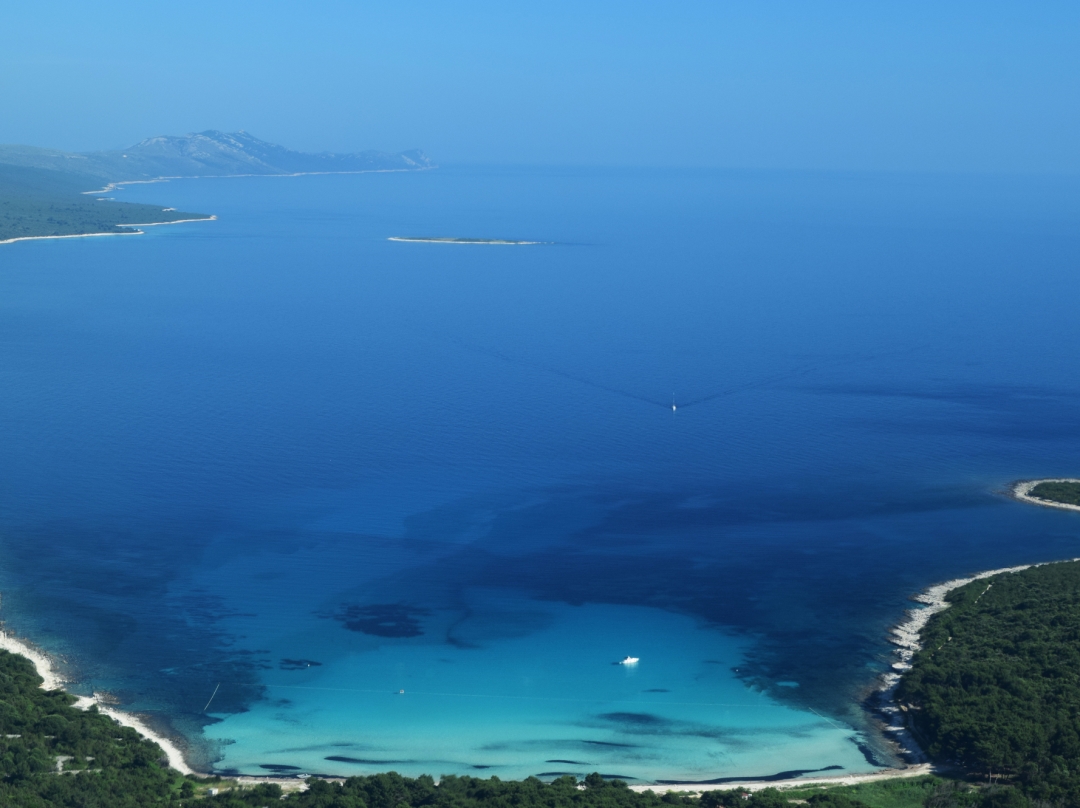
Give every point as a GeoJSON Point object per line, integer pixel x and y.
{"type": "Point", "coordinates": [41, 203]}
{"type": "Point", "coordinates": [45, 193]}
{"type": "Point", "coordinates": [1061, 492]}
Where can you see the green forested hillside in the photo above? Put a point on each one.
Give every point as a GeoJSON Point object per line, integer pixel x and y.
{"type": "Point", "coordinates": [54, 754]}
{"type": "Point", "coordinates": [41, 202]}
{"type": "Point", "coordinates": [997, 686]}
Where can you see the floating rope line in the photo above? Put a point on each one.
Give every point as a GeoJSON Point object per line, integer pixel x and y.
{"type": "Point", "coordinates": [212, 696]}
{"type": "Point", "coordinates": [826, 720]}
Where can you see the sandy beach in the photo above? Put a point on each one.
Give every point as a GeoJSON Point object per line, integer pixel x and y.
{"type": "Point", "coordinates": [53, 681]}
{"type": "Point", "coordinates": [801, 782]}
{"type": "Point", "coordinates": [75, 235]}
{"type": "Point", "coordinates": [1022, 492]}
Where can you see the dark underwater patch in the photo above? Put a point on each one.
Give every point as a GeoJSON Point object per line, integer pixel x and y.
{"type": "Point", "coordinates": [365, 761]}
{"type": "Point", "coordinates": [382, 619]}
{"type": "Point", "coordinates": [297, 664]}
{"type": "Point", "coordinates": [635, 719]}
{"type": "Point", "coordinates": [609, 743]}
{"type": "Point", "coordinates": [765, 778]}
{"type": "Point", "coordinates": [278, 767]}
{"type": "Point", "coordinates": [867, 752]}
{"type": "Point", "coordinates": [656, 690]}
{"type": "Point", "coordinates": [570, 762]}
{"type": "Point", "coordinates": [322, 746]}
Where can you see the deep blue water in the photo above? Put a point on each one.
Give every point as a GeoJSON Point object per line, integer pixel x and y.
{"type": "Point", "coordinates": [233, 449]}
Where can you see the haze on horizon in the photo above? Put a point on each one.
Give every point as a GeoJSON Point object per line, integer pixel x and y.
{"type": "Point", "coordinates": [913, 86]}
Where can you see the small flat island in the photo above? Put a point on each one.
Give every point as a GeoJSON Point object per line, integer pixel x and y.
{"type": "Point", "coordinates": [1055, 493]}
{"type": "Point", "coordinates": [456, 240]}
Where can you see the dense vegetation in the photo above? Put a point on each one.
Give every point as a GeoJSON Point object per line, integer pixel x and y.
{"type": "Point", "coordinates": [997, 687]}
{"type": "Point", "coordinates": [39, 202]}
{"type": "Point", "coordinates": [1065, 492]}
{"type": "Point", "coordinates": [393, 791]}
{"type": "Point", "coordinates": [54, 754]}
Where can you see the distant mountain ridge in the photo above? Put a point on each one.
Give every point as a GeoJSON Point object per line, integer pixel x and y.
{"type": "Point", "coordinates": [209, 153]}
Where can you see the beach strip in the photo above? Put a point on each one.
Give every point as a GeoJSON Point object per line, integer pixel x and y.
{"type": "Point", "coordinates": [799, 782]}
{"type": "Point", "coordinates": [74, 235]}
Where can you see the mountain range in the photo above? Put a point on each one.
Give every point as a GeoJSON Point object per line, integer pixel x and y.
{"type": "Point", "coordinates": [203, 154]}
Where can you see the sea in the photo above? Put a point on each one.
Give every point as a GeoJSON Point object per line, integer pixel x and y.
{"type": "Point", "coordinates": [320, 502]}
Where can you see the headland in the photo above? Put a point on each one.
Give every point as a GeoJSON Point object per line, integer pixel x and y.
{"type": "Point", "coordinates": [1057, 492]}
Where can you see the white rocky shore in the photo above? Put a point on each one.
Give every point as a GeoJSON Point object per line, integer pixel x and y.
{"type": "Point", "coordinates": [906, 636]}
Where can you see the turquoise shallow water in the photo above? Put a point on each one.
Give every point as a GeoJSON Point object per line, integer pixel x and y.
{"type": "Point", "coordinates": [279, 460]}
{"type": "Point", "coordinates": [514, 706]}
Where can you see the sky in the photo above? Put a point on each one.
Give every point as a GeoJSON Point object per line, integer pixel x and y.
{"type": "Point", "coordinates": [896, 86]}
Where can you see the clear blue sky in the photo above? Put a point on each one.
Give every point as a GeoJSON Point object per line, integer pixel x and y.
{"type": "Point", "coordinates": [968, 86]}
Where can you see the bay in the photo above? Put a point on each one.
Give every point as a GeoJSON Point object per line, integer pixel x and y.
{"type": "Point", "coordinates": [283, 462]}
